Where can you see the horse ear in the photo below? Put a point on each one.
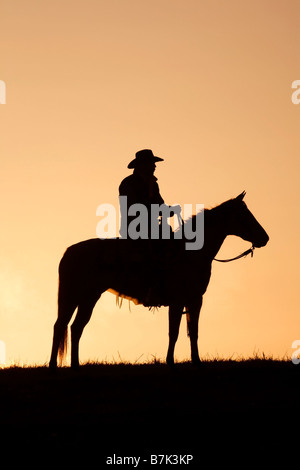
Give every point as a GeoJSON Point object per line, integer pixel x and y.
{"type": "Point", "coordinates": [241, 196]}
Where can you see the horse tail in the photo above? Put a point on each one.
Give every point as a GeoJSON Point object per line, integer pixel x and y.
{"type": "Point", "coordinates": [63, 346]}
{"type": "Point", "coordinates": [63, 342]}
{"type": "Point", "coordinates": [188, 323]}
{"type": "Point", "coordinates": [66, 304]}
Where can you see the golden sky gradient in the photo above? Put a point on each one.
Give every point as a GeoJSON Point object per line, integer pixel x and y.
{"type": "Point", "coordinates": [207, 86]}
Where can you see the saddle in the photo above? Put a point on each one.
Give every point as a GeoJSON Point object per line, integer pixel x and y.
{"type": "Point", "coordinates": [145, 268]}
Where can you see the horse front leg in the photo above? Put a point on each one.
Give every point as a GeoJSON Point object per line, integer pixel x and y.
{"type": "Point", "coordinates": [175, 314]}
{"type": "Point", "coordinates": [193, 320]}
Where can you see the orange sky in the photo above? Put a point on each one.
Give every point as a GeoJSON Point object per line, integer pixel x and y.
{"type": "Point", "coordinates": [207, 86]}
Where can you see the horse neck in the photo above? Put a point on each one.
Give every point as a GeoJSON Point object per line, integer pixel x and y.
{"type": "Point", "coordinates": [213, 240]}
{"type": "Point", "coordinates": [216, 228]}
{"type": "Point", "coordinates": [215, 232]}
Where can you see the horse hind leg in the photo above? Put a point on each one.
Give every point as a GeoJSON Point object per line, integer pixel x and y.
{"type": "Point", "coordinates": [66, 307]}
{"type": "Point", "coordinates": [84, 313]}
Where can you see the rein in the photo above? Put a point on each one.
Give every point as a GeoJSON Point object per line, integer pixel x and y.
{"type": "Point", "coordinates": [242, 255]}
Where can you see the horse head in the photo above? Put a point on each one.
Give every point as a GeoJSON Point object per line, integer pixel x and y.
{"type": "Point", "coordinates": [243, 223]}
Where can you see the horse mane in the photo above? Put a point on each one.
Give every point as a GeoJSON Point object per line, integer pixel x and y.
{"type": "Point", "coordinates": [210, 213]}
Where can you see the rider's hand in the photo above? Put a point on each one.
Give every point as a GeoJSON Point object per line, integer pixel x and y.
{"type": "Point", "coordinates": [175, 210]}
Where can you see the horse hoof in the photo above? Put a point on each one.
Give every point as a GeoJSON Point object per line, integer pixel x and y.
{"type": "Point", "coordinates": [52, 369]}
{"type": "Point", "coordinates": [170, 362]}
{"type": "Point", "coordinates": [197, 363]}
{"type": "Point", "coordinates": [52, 366]}
{"type": "Point", "coordinates": [75, 366]}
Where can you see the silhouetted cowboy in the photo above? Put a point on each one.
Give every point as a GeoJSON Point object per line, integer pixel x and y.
{"type": "Point", "coordinates": [142, 188]}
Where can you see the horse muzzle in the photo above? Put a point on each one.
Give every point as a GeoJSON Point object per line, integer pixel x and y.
{"type": "Point", "coordinates": [262, 241]}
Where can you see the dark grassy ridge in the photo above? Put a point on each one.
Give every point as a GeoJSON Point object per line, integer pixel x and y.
{"type": "Point", "coordinates": [224, 411]}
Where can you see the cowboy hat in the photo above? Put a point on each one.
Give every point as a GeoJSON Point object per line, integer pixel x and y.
{"type": "Point", "coordinates": [143, 157]}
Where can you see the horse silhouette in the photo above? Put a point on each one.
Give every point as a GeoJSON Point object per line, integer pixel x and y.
{"type": "Point", "coordinates": [89, 268]}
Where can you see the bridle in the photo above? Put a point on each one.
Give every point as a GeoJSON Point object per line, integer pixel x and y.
{"type": "Point", "coordinates": [242, 255]}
